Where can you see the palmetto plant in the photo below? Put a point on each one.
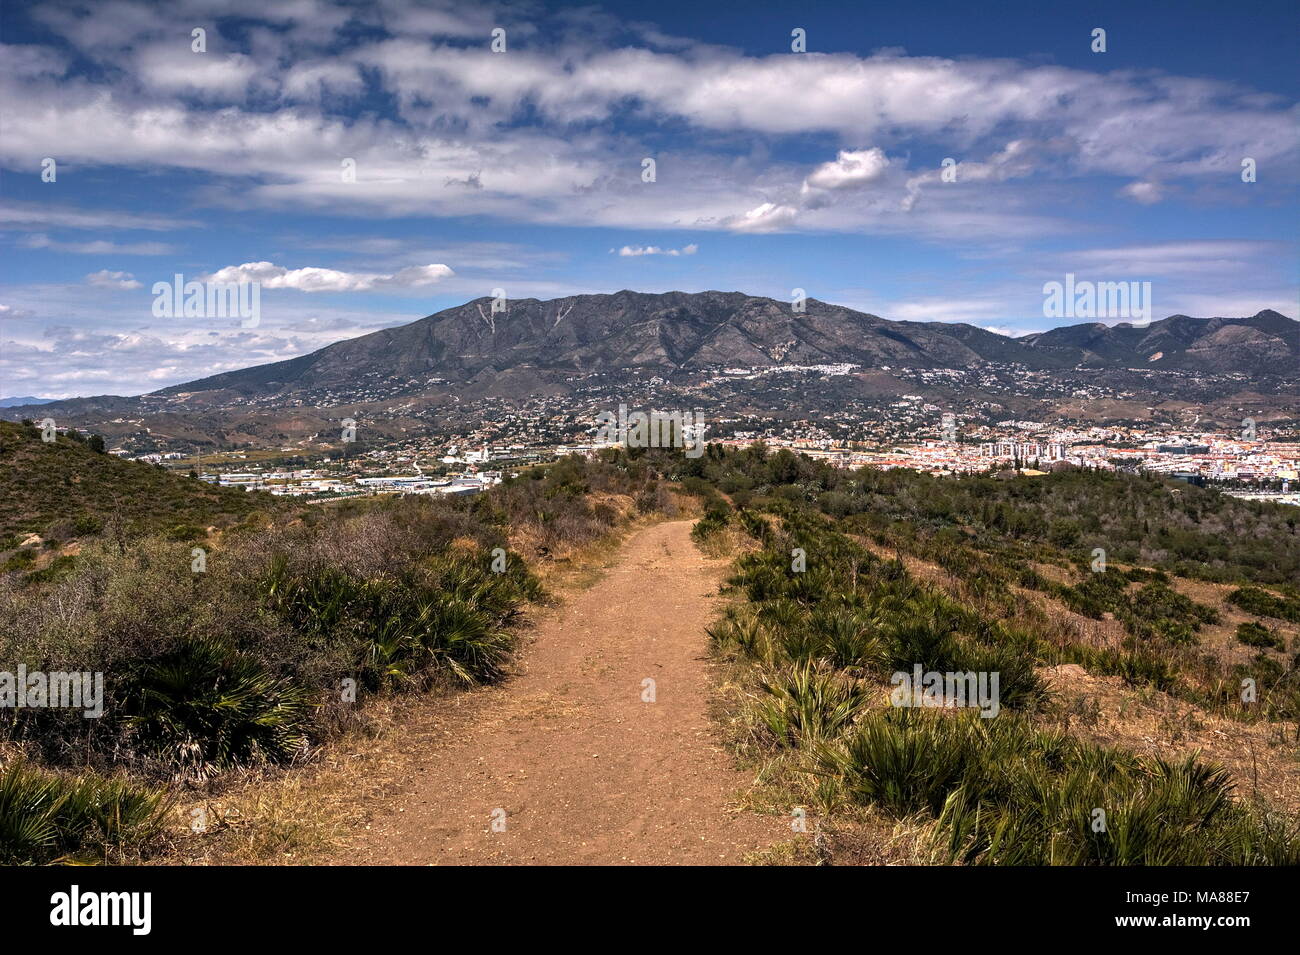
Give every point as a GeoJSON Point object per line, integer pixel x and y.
{"type": "Point", "coordinates": [446, 615]}
{"type": "Point", "coordinates": [29, 802]}
{"type": "Point", "coordinates": [464, 639]}
{"type": "Point", "coordinates": [848, 639]}
{"type": "Point", "coordinates": [46, 817]}
{"type": "Point", "coordinates": [807, 702]}
{"type": "Point", "coordinates": [207, 706]}
{"type": "Point", "coordinates": [1004, 792]}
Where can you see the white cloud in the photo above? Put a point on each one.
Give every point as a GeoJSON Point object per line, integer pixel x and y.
{"type": "Point", "coordinates": [314, 81]}
{"type": "Point", "coordinates": [97, 246]}
{"type": "Point", "coordinates": [767, 217]}
{"type": "Point", "coordinates": [312, 279]}
{"type": "Point", "coordinates": [1144, 191]}
{"type": "Point", "coordinates": [1015, 160]}
{"type": "Point", "coordinates": [850, 169]}
{"type": "Point", "coordinates": [1188, 259]}
{"type": "Point", "coordinates": [629, 251]}
{"type": "Point", "coordinates": [172, 67]}
{"type": "Point", "coordinates": [112, 344]}
{"type": "Point", "coordinates": [53, 216]}
{"type": "Point", "coordinates": [121, 281]}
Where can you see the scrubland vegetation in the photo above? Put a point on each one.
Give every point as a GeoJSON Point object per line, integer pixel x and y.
{"type": "Point", "coordinates": [65, 490]}
{"type": "Point", "coordinates": [1148, 521]}
{"type": "Point", "coordinates": [812, 648]}
{"type": "Point", "coordinates": [300, 615]}
{"type": "Point", "coordinates": [293, 622]}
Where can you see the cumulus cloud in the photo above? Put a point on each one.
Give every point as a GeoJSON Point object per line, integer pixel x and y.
{"type": "Point", "coordinates": [313, 279]}
{"type": "Point", "coordinates": [767, 217]}
{"type": "Point", "coordinates": [850, 168]}
{"type": "Point", "coordinates": [122, 281]}
{"type": "Point", "coordinates": [174, 68]}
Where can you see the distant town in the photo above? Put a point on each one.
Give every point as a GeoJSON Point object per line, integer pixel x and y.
{"type": "Point", "coordinates": [1254, 464]}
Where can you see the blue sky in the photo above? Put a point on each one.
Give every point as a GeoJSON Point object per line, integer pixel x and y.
{"type": "Point", "coordinates": [522, 170]}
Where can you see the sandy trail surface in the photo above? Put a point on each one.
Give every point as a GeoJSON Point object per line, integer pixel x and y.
{"type": "Point", "coordinates": [568, 763]}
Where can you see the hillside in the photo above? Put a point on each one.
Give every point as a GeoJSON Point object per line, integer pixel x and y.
{"type": "Point", "coordinates": [1265, 343]}
{"type": "Point", "coordinates": [64, 490]}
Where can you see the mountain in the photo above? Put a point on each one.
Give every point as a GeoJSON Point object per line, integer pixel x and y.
{"type": "Point", "coordinates": [1265, 343]}
{"type": "Point", "coordinates": [673, 331]}
{"type": "Point", "coordinates": [28, 400]}
{"type": "Point", "coordinates": [533, 346]}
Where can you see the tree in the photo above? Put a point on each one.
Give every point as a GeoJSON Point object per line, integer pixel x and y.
{"type": "Point", "coordinates": [96, 444]}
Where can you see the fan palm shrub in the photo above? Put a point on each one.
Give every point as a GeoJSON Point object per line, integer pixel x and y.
{"type": "Point", "coordinates": [206, 706]}
{"type": "Point", "coordinates": [808, 701]}
{"type": "Point", "coordinates": [46, 817]}
{"type": "Point", "coordinates": [1000, 791]}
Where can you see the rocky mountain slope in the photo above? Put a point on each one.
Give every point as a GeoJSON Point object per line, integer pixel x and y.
{"type": "Point", "coordinates": [533, 344]}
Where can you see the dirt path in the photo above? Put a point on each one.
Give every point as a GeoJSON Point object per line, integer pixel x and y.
{"type": "Point", "coordinates": [585, 770]}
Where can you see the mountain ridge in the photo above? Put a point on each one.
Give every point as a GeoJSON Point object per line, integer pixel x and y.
{"type": "Point", "coordinates": [675, 332]}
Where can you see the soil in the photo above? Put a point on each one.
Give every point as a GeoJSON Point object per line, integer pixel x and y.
{"type": "Point", "coordinates": [569, 762]}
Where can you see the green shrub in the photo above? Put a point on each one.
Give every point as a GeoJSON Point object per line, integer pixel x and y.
{"type": "Point", "coordinates": [1002, 792]}
{"type": "Point", "coordinates": [445, 616]}
{"type": "Point", "coordinates": [45, 817]}
{"type": "Point", "coordinates": [205, 705]}
{"type": "Point", "coordinates": [1255, 634]}
{"type": "Point", "coordinates": [18, 560]}
{"type": "Point", "coordinates": [808, 702]}
{"type": "Point", "coordinates": [1263, 604]}
{"type": "Point", "coordinates": [717, 515]}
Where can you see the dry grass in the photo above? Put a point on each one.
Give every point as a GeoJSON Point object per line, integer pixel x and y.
{"type": "Point", "coordinates": [1263, 758]}
{"type": "Point", "coordinates": [727, 544]}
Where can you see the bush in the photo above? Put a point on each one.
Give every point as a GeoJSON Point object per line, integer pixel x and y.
{"type": "Point", "coordinates": [808, 702]}
{"type": "Point", "coordinates": [45, 817]}
{"type": "Point", "coordinates": [717, 516]}
{"type": "Point", "coordinates": [1002, 792]}
{"type": "Point", "coordinates": [243, 663]}
{"type": "Point", "coordinates": [206, 705]}
{"type": "Point", "coordinates": [1255, 634]}
{"type": "Point", "coordinates": [1261, 603]}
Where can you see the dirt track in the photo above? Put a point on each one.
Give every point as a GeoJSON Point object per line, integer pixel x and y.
{"type": "Point", "coordinates": [585, 770]}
